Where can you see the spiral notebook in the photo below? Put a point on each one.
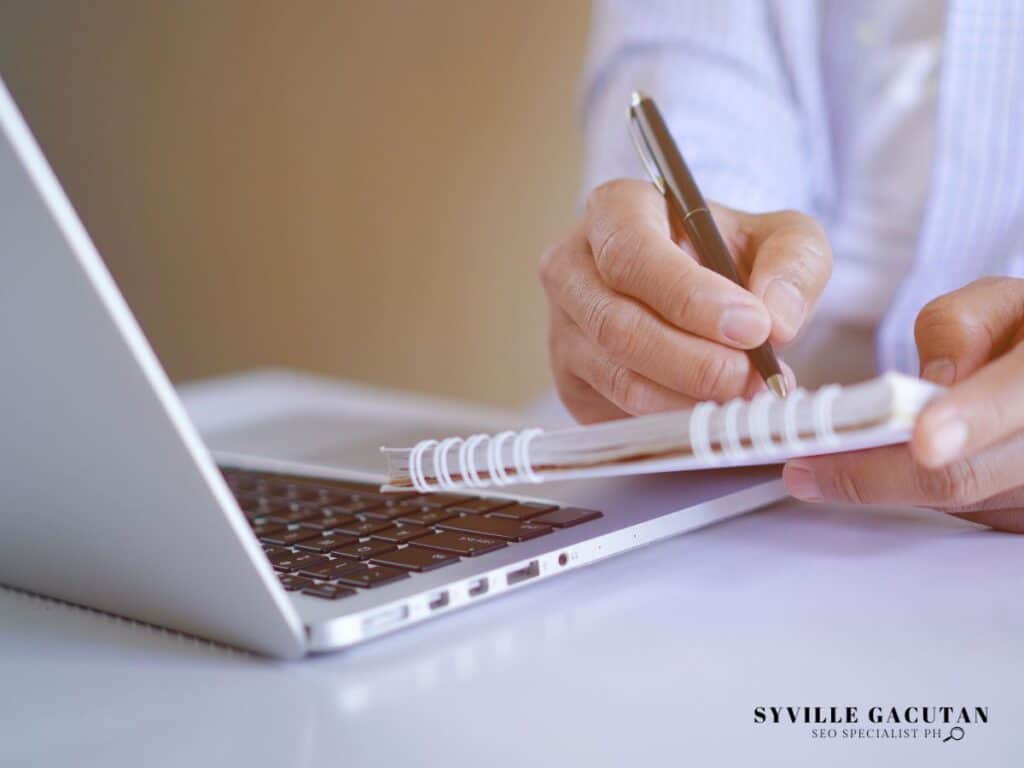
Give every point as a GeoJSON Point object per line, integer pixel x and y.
{"type": "Point", "coordinates": [765, 430]}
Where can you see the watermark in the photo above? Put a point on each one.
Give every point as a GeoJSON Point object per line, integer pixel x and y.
{"type": "Point", "coordinates": [946, 724]}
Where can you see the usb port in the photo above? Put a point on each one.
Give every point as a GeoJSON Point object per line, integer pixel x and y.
{"type": "Point", "coordinates": [522, 574]}
{"type": "Point", "coordinates": [383, 620]}
{"type": "Point", "coordinates": [440, 600]}
{"type": "Point", "coordinates": [478, 588]}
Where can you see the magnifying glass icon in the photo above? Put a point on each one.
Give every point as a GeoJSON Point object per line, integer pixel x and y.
{"type": "Point", "coordinates": [955, 733]}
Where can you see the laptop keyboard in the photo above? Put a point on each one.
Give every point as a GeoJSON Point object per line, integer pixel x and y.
{"type": "Point", "coordinates": [330, 538]}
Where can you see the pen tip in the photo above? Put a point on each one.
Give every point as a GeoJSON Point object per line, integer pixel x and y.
{"type": "Point", "coordinates": [637, 97]}
{"type": "Point", "coordinates": [777, 384]}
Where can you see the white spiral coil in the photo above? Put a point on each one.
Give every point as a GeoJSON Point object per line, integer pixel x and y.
{"type": "Point", "coordinates": [466, 457]}
{"type": "Point", "coordinates": [824, 428]}
{"type": "Point", "coordinates": [763, 439]}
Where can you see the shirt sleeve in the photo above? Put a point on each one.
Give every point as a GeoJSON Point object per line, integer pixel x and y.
{"type": "Point", "coordinates": [720, 76]}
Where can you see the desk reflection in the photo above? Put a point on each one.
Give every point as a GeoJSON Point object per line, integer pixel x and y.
{"type": "Point", "coordinates": [632, 659]}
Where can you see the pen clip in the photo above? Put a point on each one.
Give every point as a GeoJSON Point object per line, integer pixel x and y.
{"type": "Point", "coordinates": [643, 147]}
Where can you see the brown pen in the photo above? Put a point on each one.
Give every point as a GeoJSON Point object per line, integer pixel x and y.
{"type": "Point", "coordinates": [673, 179]}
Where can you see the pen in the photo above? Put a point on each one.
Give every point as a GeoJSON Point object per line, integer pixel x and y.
{"type": "Point", "coordinates": [686, 204]}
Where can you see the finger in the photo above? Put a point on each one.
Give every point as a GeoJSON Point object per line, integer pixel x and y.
{"type": "Point", "coordinates": [1009, 520]}
{"type": "Point", "coordinates": [585, 404]}
{"type": "Point", "coordinates": [889, 475]}
{"type": "Point", "coordinates": [958, 333]}
{"type": "Point", "coordinates": [579, 398]}
{"type": "Point", "coordinates": [628, 231]}
{"type": "Point", "coordinates": [1004, 512]}
{"type": "Point", "coordinates": [626, 389]}
{"type": "Point", "coordinates": [790, 262]}
{"type": "Point", "coordinates": [637, 339]}
{"type": "Point", "coordinates": [983, 410]}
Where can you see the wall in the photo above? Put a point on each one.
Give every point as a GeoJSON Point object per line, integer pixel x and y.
{"type": "Point", "coordinates": [360, 189]}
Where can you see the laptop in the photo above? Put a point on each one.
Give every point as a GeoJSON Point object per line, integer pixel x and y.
{"type": "Point", "coordinates": [111, 499]}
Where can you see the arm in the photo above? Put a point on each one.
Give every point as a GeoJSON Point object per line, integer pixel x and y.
{"type": "Point", "coordinates": [719, 72]}
{"type": "Point", "coordinates": [637, 325]}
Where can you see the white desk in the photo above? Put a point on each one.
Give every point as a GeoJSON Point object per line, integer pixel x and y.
{"type": "Point", "coordinates": [657, 657]}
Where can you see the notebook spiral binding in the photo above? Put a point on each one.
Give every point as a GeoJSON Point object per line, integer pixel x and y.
{"type": "Point", "coordinates": [763, 442]}
{"type": "Point", "coordinates": [466, 459]}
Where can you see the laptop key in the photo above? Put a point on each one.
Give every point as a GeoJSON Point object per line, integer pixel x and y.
{"type": "Point", "coordinates": [480, 506]}
{"type": "Point", "coordinates": [329, 591]}
{"type": "Point", "coordinates": [325, 569]}
{"type": "Point", "coordinates": [465, 544]}
{"type": "Point", "coordinates": [328, 543]}
{"type": "Point", "coordinates": [298, 561]}
{"type": "Point", "coordinates": [388, 513]}
{"type": "Point", "coordinates": [523, 511]}
{"type": "Point", "coordinates": [348, 507]}
{"type": "Point", "coordinates": [370, 576]}
{"type": "Point", "coordinates": [281, 559]}
{"type": "Point", "coordinates": [364, 527]}
{"type": "Point", "coordinates": [400, 534]}
{"type": "Point", "coordinates": [294, 583]}
{"type": "Point", "coordinates": [427, 516]}
{"type": "Point", "coordinates": [248, 503]}
{"type": "Point", "coordinates": [416, 559]}
{"type": "Point", "coordinates": [264, 529]}
{"type": "Point", "coordinates": [567, 518]}
{"type": "Point", "coordinates": [288, 537]}
{"type": "Point", "coordinates": [364, 550]}
{"type": "Point", "coordinates": [288, 514]}
{"type": "Point", "coordinates": [511, 530]}
{"type": "Point", "coordinates": [327, 523]}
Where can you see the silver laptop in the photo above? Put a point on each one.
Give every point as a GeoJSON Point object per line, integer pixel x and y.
{"type": "Point", "coordinates": [111, 499]}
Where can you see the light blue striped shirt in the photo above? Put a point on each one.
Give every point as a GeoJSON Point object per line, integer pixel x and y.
{"type": "Point", "coordinates": [743, 87]}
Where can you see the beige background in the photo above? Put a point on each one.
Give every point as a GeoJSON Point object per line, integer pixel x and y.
{"type": "Point", "coordinates": [357, 188]}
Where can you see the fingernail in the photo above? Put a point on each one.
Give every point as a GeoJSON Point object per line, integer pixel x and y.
{"type": "Point", "coordinates": [948, 438]}
{"type": "Point", "coordinates": [786, 304]}
{"type": "Point", "coordinates": [745, 326]}
{"type": "Point", "coordinates": [941, 371]}
{"type": "Point", "coordinates": [800, 481]}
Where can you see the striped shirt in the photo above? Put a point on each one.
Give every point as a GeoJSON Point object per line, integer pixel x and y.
{"type": "Point", "coordinates": [745, 87]}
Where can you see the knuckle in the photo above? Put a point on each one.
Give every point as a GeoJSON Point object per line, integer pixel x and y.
{"type": "Point", "coordinates": [948, 319]}
{"type": "Point", "coordinates": [847, 486]}
{"type": "Point", "coordinates": [626, 390]}
{"type": "Point", "coordinates": [994, 281]}
{"type": "Point", "coordinates": [618, 255]}
{"type": "Point", "coordinates": [714, 375]}
{"type": "Point", "coordinates": [613, 189]}
{"type": "Point", "coordinates": [598, 318]}
{"type": "Point", "coordinates": [681, 294]}
{"type": "Point", "coordinates": [618, 332]}
{"type": "Point", "coordinates": [955, 485]}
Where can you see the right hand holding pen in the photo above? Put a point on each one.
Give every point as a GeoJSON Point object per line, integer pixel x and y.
{"type": "Point", "coordinates": [638, 326]}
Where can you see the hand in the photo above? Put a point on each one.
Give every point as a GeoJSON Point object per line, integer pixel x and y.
{"type": "Point", "coordinates": [637, 325]}
{"type": "Point", "coordinates": [967, 452]}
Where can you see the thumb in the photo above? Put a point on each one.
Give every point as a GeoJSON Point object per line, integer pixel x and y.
{"type": "Point", "coordinates": [958, 333]}
{"type": "Point", "coordinates": [790, 262]}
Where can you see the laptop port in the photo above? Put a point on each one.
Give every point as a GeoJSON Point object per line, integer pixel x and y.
{"type": "Point", "coordinates": [440, 600]}
{"type": "Point", "coordinates": [478, 588]}
{"type": "Point", "coordinates": [522, 574]}
{"type": "Point", "coordinates": [385, 619]}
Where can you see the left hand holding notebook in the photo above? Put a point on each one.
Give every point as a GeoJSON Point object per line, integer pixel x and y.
{"type": "Point", "coordinates": [966, 456]}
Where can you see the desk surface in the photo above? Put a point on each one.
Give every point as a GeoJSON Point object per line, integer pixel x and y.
{"type": "Point", "coordinates": [656, 657]}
